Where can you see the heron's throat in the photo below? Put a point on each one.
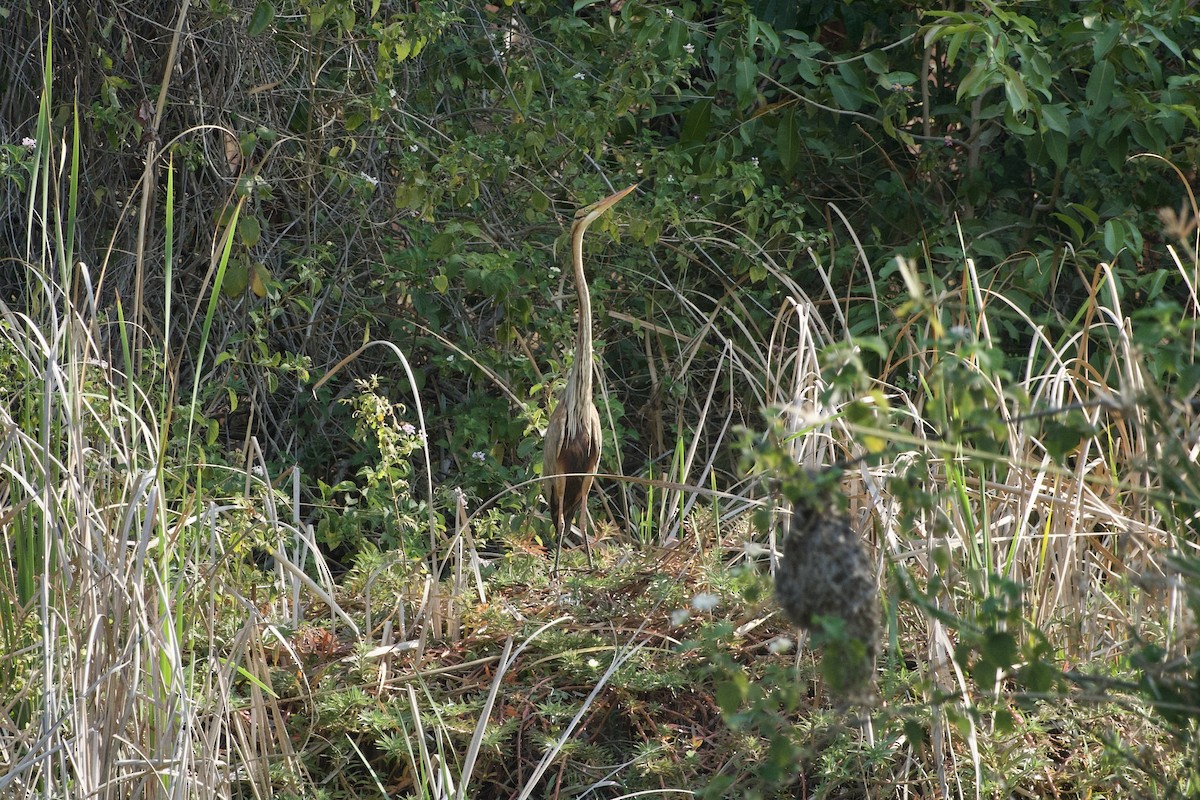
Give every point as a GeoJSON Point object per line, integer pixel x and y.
{"type": "Point", "coordinates": [578, 395]}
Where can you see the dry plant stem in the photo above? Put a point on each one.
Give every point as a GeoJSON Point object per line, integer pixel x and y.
{"type": "Point", "coordinates": [148, 185]}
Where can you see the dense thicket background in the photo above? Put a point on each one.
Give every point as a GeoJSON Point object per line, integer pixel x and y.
{"type": "Point", "coordinates": [406, 171]}
{"type": "Point", "coordinates": [258, 188]}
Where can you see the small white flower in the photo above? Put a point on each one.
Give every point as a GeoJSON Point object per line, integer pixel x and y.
{"type": "Point", "coordinates": [450, 357]}
{"type": "Point", "coordinates": [705, 601]}
{"type": "Point", "coordinates": [579, 76]}
{"type": "Point", "coordinates": [408, 429]}
{"type": "Point", "coordinates": [414, 148]}
{"type": "Point", "coordinates": [369, 178]}
{"type": "Point", "coordinates": [689, 48]}
{"type": "Point", "coordinates": [670, 179]}
{"type": "Point", "coordinates": [754, 160]}
{"type": "Point", "coordinates": [392, 93]}
{"type": "Point", "coordinates": [780, 644]}
{"type": "Point", "coordinates": [29, 143]}
{"type": "Point", "coordinates": [479, 456]}
{"type": "Point", "coordinates": [593, 663]}
{"type": "Point", "coordinates": [670, 13]}
{"type": "Point", "coordinates": [679, 616]}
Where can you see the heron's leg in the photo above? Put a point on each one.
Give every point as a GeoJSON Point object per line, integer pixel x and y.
{"type": "Point", "coordinates": [584, 524]}
{"type": "Point", "coordinates": [562, 527]}
{"type": "Point", "coordinates": [559, 532]}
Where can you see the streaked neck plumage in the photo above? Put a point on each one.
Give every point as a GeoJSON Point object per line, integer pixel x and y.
{"type": "Point", "coordinates": [579, 380]}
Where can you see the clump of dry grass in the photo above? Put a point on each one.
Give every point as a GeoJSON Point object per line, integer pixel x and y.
{"type": "Point", "coordinates": [132, 662]}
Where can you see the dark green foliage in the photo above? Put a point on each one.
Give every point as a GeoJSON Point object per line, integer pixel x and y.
{"type": "Point", "coordinates": [442, 149]}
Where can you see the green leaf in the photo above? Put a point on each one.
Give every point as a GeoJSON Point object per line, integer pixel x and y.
{"type": "Point", "coordinates": [1087, 212]}
{"type": "Point", "coordinates": [914, 732]}
{"type": "Point", "coordinates": [1100, 86]}
{"type": "Point", "coordinates": [696, 124]}
{"type": "Point", "coordinates": [249, 230]}
{"type": "Point", "coordinates": [1062, 437]}
{"type": "Point", "coordinates": [889, 79]}
{"type": "Point", "coordinates": [956, 43]}
{"type": "Point", "coordinates": [732, 692]}
{"type": "Point", "coordinates": [1071, 223]}
{"type": "Point", "coordinates": [677, 36]}
{"type": "Point", "coordinates": [1114, 236]}
{"type": "Point", "coordinates": [1054, 117]}
{"type": "Point", "coordinates": [743, 80]}
{"type": "Point", "coordinates": [1116, 151]}
{"type": "Point", "coordinates": [876, 62]}
{"type": "Point", "coordinates": [803, 60]}
{"type": "Point", "coordinates": [441, 245]}
{"type": "Point", "coordinates": [999, 649]}
{"type": "Point", "coordinates": [260, 20]}
{"type": "Point", "coordinates": [844, 96]}
{"type": "Point", "coordinates": [1167, 41]}
{"type": "Point", "coordinates": [1056, 146]}
{"type": "Point", "coordinates": [1016, 123]}
{"type": "Point", "coordinates": [1014, 90]}
{"type": "Point", "coordinates": [1152, 284]}
{"type": "Point", "coordinates": [787, 140]}
{"type": "Point", "coordinates": [973, 83]}
{"type": "Point", "coordinates": [1039, 677]}
{"type": "Point", "coordinates": [1105, 41]}
{"type": "Point", "coordinates": [236, 279]}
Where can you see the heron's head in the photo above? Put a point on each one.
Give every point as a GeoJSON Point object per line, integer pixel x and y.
{"type": "Point", "coordinates": [589, 214]}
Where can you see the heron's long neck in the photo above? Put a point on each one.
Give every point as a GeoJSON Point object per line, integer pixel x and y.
{"type": "Point", "coordinates": [579, 382]}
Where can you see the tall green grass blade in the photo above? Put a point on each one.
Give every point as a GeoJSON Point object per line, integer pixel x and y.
{"type": "Point", "coordinates": [168, 279]}
{"type": "Point", "coordinates": [68, 255]}
{"type": "Point", "coordinates": [210, 314]}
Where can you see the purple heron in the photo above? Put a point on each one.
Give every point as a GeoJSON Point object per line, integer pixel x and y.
{"type": "Point", "coordinates": [573, 435]}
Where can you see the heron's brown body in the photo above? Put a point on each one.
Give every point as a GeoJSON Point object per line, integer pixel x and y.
{"type": "Point", "coordinates": [573, 437]}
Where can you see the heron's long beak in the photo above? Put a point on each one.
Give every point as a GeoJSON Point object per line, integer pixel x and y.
{"type": "Point", "coordinates": [599, 207]}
